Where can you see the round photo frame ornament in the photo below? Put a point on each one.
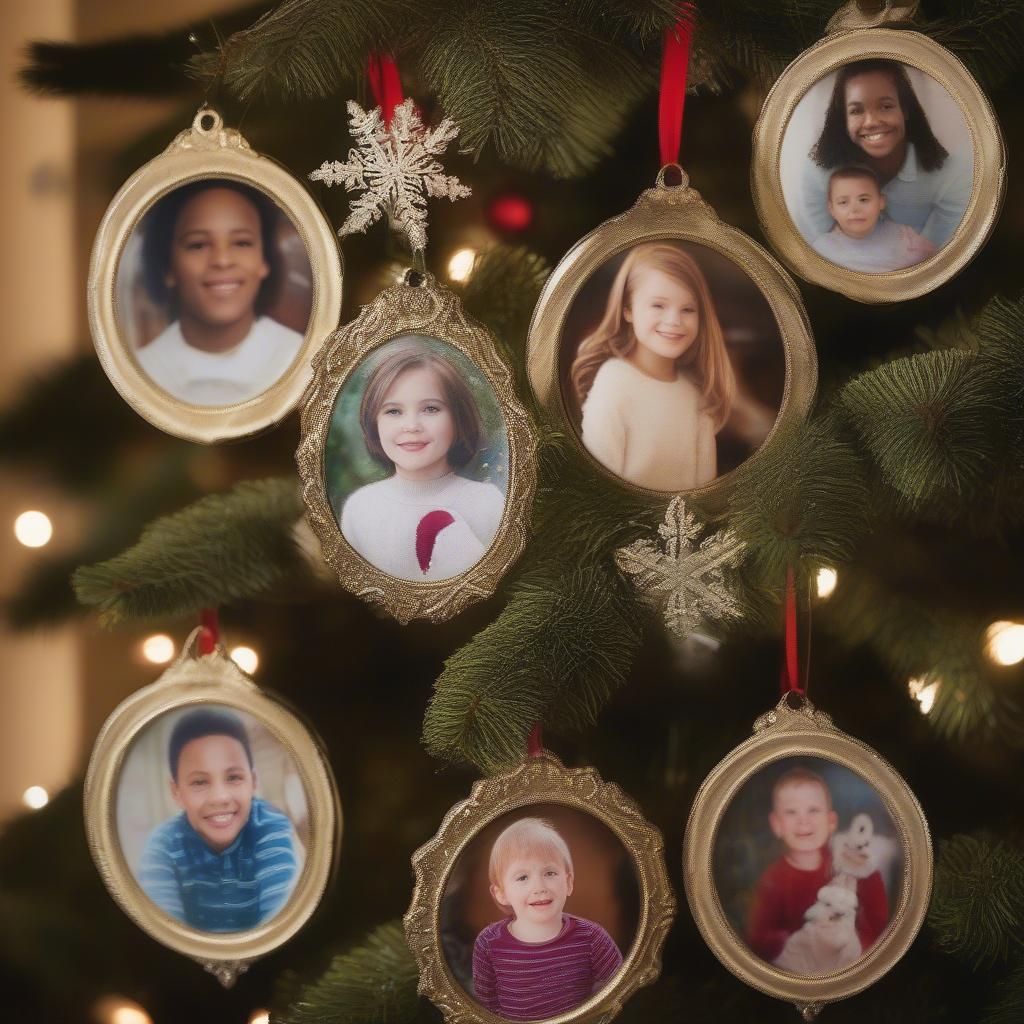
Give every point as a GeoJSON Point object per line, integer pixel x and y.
{"type": "Point", "coordinates": [191, 682]}
{"type": "Point", "coordinates": [422, 307]}
{"type": "Point", "coordinates": [540, 780]}
{"type": "Point", "coordinates": [670, 213]}
{"type": "Point", "coordinates": [795, 729]}
{"type": "Point", "coordinates": [208, 150]}
{"type": "Point", "coordinates": [886, 33]}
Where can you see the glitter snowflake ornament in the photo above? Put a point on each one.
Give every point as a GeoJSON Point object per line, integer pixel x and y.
{"type": "Point", "coordinates": [396, 168]}
{"type": "Point", "coordinates": [682, 579]}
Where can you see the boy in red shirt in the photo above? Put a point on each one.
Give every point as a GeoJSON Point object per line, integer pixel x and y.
{"type": "Point", "coordinates": [802, 818]}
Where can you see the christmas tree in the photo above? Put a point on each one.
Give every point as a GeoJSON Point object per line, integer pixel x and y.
{"type": "Point", "coordinates": [907, 483]}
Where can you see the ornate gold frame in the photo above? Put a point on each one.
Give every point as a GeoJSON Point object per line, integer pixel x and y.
{"type": "Point", "coordinates": [541, 779]}
{"type": "Point", "coordinates": [210, 679]}
{"type": "Point", "coordinates": [422, 306]}
{"type": "Point", "coordinates": [795, 728]}
{"type": "Point", "coordinates": [853, 37]}
{"type": "Point", "coordinates": [209, 150]}
{"type": "Point", "coordinates": [670, 212]}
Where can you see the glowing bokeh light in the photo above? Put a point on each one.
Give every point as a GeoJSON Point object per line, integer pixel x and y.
{"type": "Point", "coordinates": [460, 266]}
{"type": "Point", "coordinates": [259, 1017]}
{"type": "Point", "coordinates": [245, 658]}
{"type": "Point", "coordinates": [1004, 642]}
{"type": "Point", "coordinates": [118, 1010]}
{"type": "Point", "coordinates": [35, 797]}
{"type": "Point", "coordinates": [33, 529]}
{"type": "Point", "coordinates": [924, 692]}
{"type": "Point", "coordinates": [826, 581]}
{"type": "Point", "coordinates": [158, 648]}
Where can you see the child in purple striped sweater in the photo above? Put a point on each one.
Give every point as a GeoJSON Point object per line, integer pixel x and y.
{"type": "Point", "coordinates": [537, 962]}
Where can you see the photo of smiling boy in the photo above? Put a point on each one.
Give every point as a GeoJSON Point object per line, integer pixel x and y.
{"type": "Point", "coordinates": [226, 863]}
{"type": "Point", "coordinates": [538, 961]}
{"type": "Point", "coordinates": [863, 238]}
{"type": "Point", "coordinates": [211, 266]}
{"type": "Point", "coordinates": [803, 820]}
{"type": "Point", "coordinates": [420, 421]}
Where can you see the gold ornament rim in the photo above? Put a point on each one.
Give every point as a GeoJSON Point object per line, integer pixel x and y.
{"type": "Point", "coordinates": [540, 779]}
{"type": "Point", "coordinates": [208, 150]}
{"type": "Point", "coordinates": [989, 172]}
{"type": "Point", "coordinates": [671, 213]}
{"type": "Point", "coordinates": [210, 679]}
{"type": "Point", "coordinates": [432, 310]}
{"type": "Point", "coordinates": [789, 731]}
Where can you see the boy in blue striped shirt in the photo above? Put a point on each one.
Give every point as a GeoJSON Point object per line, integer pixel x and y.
{"type": "Point", "coordinates": [226, 863]}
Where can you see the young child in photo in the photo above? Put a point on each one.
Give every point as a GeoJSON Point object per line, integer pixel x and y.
{"type": "Point", "coordinates": [654, 381]}
{"type": "Point", "coordinates": [862, 238]}
{"type": "Point", "coordinates": [420, 420]}
{"type": "Point", "coordinates": [537, 962]}
{"type": "Point", "coordinates": [226, 863]}
{"type": "Point", "coordinates": [209, 257]}
{"type": "Point", "coordinates": [803, 820]}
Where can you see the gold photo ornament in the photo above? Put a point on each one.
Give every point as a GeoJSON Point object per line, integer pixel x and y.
{"type": "Point", "coordinates": [756, 320]}
{"type": "Point", "coordinates": [232, 384]}
{"type": "Point", "coordinates": [191, 685]}
{"type": "Point", "coordinates": [872, 826]}
{"type": "Point", "coordinates": [416, 536]}
{"type": "Point", "coordinates": [913, 258]}
{"type": "Point", "coordinates": [540, 794]}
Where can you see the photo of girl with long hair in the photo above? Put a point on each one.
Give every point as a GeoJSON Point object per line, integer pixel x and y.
{"type": "Point", "coordinates": [672, 366]}
{"type": "Point", "coordinates": [877, 166]}
{"type": "Point", "coordinates": [214, 292]}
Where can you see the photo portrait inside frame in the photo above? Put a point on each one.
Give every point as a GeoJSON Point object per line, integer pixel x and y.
{"type": "Point", "coordinates": [214, 291]}
{"type": "Point", "coordinates": [808, 865]}
{"type": "Point", "coordinates": [212, 818]}
{"type": "Point", "coordinates": [671, 365]}
{"type": "Point", "coordinates": [877, 166]}
{"type": "Point", "coordinates": [416, 461]}
{"type": "Point", "coordinates": [539, 911]}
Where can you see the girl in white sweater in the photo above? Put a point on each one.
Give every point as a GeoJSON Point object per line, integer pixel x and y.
{"type": "Point", "coordinates": [425, 522]}
{"type": "Point", "coordinates": [654, 381]}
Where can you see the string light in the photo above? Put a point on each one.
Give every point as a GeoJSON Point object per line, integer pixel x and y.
{"type": "Point", "coordinates": [460, 266]}
{"type": "Point", "coordinates": [510, 212]}
{"type": "Point", "coordinates": [1004, 642]}
{"type": "Point", "coordinates": [924, 692]}
{"type": "Point", "coordinates": [118, 1010]}
{"type": "Point", "coordinates": [259, 1017]}
{"type": "Point", "coordinates": [33, 529]}
{"type": "Point", "coordinates": [35, 797]}
{"type": "Point", "coordinates": [245, 658]}
{"type": "Point", "coordinates": [158, 648]}
{"type": "Point", "coordinates": [826, 581]}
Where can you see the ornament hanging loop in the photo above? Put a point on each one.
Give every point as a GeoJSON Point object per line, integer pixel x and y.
{"type": "Point", "coordinates": [856, 14]}
{"type": "Point", "coordinates": [669, 172]}
{"type": "Point", "coordinates": [207, 122]}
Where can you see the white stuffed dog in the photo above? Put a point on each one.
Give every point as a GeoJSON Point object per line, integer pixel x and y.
{"type": "Point", "coordinates": [828, 940]}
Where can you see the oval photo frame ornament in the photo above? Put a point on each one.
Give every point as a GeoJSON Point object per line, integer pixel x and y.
{"type": "Point", "coordinates": [789, 731]}
{"type": "Point", "coordinates": [857, 38]}
{"type": "Point", "coordinates": [670, 213]}
{"type": "Point", "coordinates": [540, 779]}
{"type": "Point", "coordinates": [208, 150]}
{"type": "Point", "coordinates": [193, 681]}
{"type": "Point", "coordinates": [425, 308]}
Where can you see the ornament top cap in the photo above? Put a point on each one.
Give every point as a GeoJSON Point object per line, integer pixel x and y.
{"type": "Point", "coordinates": [856, 14]}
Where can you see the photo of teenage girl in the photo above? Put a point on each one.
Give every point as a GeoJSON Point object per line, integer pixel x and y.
{"type": "Point", "coordinates": [215, 291]}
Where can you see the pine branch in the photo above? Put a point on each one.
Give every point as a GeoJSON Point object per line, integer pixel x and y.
{"type": "Point", "coordinates": [803, 503]}
{"type": "Point", "coordinates": [305, 48]}
{"type": "Point", "coordinates": [223, 548]}
{"type": "Point", "coordinates": [523, 78]}
{"type": "Point", "coordinates": [926, 421]}
{"type": "Point", "coordinates": [554, 655]}
{"type": "Point", "coordinates": [977, 910]}
{"type": "Point", "coordinates": [987, 35]}
{"type": "Point", "coordinates": [644, 18]}
{"type": "Point", "coordinates": [375, 983]}
{"type": "Point", "coordinates": [1008, 1007]}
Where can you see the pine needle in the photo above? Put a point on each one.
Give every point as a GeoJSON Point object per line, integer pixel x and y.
{"type": "Point", "coordinates": [223, 548]}
{"type": "Point", "coordinates": [977, 910]}
{"type": "Point", "coordinates": [375, 983]}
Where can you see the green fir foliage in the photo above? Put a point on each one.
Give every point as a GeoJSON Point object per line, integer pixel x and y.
{"type": "Point", "coordinates": [553, 656]}
{"type": "Point", "coordinates": [1008, 1006]}
{"type": "Point", "coordinates": [375, 983]}
{"type": "Point", "coordinates": [977, 909]}
{"type": "Point", "coordinates": [223, 548]}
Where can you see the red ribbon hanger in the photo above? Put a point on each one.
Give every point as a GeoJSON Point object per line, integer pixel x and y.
{"type": "Point", "coordinates": [675, 61]}
{"type": "Point", "coordinates": [790, 676]}
{"type": "Point", "coordinates": [209, 633]}
{"type": "Point", "coordinates": [386, 86]}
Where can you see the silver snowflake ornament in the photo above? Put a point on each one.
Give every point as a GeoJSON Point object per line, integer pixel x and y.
{"type": "Point", "coordinates": [396, 168]}
{"type": "Point", "coordinates": [686, 581]}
